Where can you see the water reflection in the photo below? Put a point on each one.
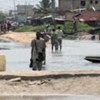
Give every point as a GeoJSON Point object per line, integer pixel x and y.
{"type": "Point", "coordinates": [11, 45]}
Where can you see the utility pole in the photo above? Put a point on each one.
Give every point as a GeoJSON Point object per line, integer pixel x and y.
{"type": "Point", "coordinates": [14, 8]}
{"type": "Point", "coordinates": [53, 4]}
{"type": "Point", "coordinates": [26, 8]}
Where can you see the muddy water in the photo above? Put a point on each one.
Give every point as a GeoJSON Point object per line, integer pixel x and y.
{"type": "Point", "coordinates": [70, 58]}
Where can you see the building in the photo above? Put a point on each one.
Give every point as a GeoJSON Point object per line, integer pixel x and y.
{"type": "Point", "coordinates": [25, 10]}
{"type": "Point", "coordinates": [92, 18]}
{"type": "Point", "coordinates": [77, 4]}
{"type": "Point", "coordinates": [53, 4]}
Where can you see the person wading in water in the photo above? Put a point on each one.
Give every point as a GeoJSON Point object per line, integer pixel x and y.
{"type": "Point", "coordinates": [54, 40]}
{"type": "Point", "coordinates": [37, 49]}
{"type": "Point", "coordinates": [60, 35]}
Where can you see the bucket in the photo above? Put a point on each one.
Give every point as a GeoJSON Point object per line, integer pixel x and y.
{"type": "Point", "coordinates": [2, 63]}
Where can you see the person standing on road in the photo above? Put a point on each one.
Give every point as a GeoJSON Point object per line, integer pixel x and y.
{"type": "Point", "coordinates": [8, 26]}
{"type": "Point", "coordinates": [38, 47]}
{"type": "Point", "coordinates": [54, 40]}
{"type": "Point", "coordinates": [60, 35]}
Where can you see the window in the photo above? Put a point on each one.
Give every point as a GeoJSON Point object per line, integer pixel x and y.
{"type": "Point", "coordinates": [91, 1]}
{"type": "Point", "coordinates": [83, 3]}
{"type": "Point", "coordinates": [96, 2]}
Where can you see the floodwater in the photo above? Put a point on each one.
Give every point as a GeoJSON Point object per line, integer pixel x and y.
{"type": "Point", "coordinates": [49, 98]}
{"type": "Point", "coordinates": [70, 58]}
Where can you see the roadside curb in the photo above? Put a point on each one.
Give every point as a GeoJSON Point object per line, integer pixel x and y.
{"type": "Point", "coordinates": [35, 75]}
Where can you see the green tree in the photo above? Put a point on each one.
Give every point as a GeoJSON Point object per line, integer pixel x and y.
{"type": "Point", "coordinates": [2, 16]}
{"type": "Point", "coordinates": [43, 6]}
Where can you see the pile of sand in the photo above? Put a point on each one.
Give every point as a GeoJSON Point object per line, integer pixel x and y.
{"type": "Point", "coordinates": [22, 37]}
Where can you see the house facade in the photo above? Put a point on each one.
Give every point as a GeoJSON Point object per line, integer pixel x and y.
{"type": "Point", "coordinates": [77, 4]}
{"type": "Point", "coordinates": [25, 10]}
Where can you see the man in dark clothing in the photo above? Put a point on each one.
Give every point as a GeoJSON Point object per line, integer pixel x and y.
{"type": "Point", "coordinates": [8, 26]}
{"type": "Point", "coordinates": [37, 51]}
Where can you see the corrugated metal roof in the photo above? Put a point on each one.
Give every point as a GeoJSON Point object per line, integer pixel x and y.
{"type": "Point", "coordinates": [90, 16]}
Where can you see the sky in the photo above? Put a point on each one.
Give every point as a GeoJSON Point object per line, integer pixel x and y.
{"type": "Point", "coordinates": [6, 5]}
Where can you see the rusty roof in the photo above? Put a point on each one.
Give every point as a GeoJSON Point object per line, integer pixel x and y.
{"type": "Point", "coordinates": [90, 16]}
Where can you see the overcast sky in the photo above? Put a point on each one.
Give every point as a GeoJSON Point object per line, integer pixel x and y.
{"type": "Point", "coordinates": [6, 5]}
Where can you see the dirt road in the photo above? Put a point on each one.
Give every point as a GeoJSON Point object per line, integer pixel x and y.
{"type": "Point", "coordinates": [74, 84]}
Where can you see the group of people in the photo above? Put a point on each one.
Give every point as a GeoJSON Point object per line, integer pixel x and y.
{"type": "Point", "coordinates": [38, 47]}
{"type": "Point", "coordinates": [5, 26]}
{"type": "Point", "coordinates": [56, 39]}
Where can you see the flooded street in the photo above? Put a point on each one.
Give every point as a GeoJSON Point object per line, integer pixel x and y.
{"type": "Point", "coordinates": [70, 58]}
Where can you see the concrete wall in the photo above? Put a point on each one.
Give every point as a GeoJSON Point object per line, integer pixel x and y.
{"type": "Point", "coordinates": [25, 9]}
{"type": "Point", "coordinates": [65, 4]}
{"type": "Point", "coordinates": [75, 4]}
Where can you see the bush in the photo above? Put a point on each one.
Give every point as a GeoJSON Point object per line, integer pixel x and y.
{"type": "Point", "coordinates": [67, 27]}
{"type": "Point", "coordinates": [24, 28]}
{"type": "Point", "coordinates": [81, 26]}
{"type": "Point", "coordinates": [29, 28]}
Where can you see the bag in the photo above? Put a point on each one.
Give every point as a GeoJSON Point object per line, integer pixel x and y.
{"type": "Point", "coordinates": [31, 63]}
{"type": "Point", "coordinates": [46, 38]}
{"type": "Point", "coordinates": [40, 56]}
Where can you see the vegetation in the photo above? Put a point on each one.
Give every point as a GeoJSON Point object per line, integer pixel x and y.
{"type": "Point", "coordinates": [81, 26]}
{"type": "Point", "coordinates": [25, 28]}
{"type": "Point", "coordinates": [2, 16]}
{"type": "Point", "coordinates": [43, 7]}
{"type": "Point", "coordinates": [29, 28]}
{"type": "Point", "coordinates": [67, 28]}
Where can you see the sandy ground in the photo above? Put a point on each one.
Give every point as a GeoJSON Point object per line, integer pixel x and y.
{"type": "Point", "coordinates": [21, 37]}
{"type": "Point", "coordinates": [82, 85]}
{"type": "Point", "coordinates": [75, 85]}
